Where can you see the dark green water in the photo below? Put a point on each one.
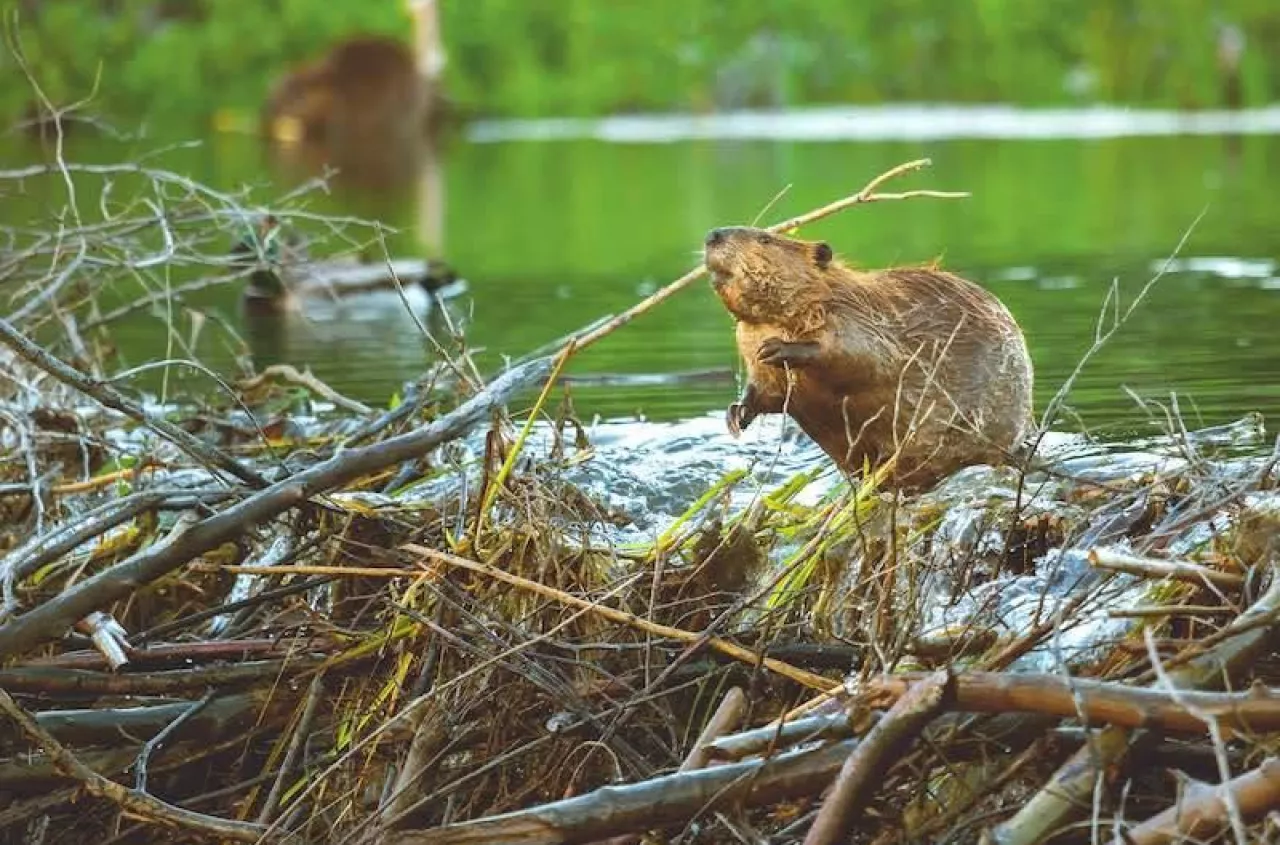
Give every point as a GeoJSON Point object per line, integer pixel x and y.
{"type": "Point", "coordinates": [553, 235]}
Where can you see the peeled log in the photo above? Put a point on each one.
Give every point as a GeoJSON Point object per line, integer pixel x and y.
{"type": "Point", "coordinates": [673, 799]}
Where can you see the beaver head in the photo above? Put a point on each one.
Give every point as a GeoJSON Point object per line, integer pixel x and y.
{"type": "Point", "coordinates": [299, 106]}
{"type": "Point", "coordinates": [766, 278]}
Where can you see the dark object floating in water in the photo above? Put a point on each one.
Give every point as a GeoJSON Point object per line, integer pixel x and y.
{"type": "Point", "coordinates": [283, 273]}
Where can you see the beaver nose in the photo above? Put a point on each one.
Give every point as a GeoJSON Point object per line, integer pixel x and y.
{"type": "Point", "coordinates": [717, 237]}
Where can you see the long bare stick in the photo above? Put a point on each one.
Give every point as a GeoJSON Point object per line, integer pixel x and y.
{"type": "Point", "coordinates": [866, 195]}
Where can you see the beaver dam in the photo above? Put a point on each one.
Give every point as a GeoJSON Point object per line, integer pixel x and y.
{"type": "Point", "coordinates": [279, 615]}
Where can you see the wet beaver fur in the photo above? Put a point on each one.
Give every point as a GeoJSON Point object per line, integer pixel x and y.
{"type": "Point", "coordinates": [914, 361]}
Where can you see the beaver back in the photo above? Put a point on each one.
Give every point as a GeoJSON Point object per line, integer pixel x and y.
{"type": "Point", "coordinates": [366, 90]}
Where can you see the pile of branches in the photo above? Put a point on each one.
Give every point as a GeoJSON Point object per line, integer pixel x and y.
{"type": "Point", "coordinates": [410, 626]}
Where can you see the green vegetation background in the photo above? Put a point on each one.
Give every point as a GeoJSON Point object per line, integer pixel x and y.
{"type": "Point", "coordinates": [174, 60]}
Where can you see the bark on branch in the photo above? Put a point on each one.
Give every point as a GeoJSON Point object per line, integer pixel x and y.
{"type": "Point", "coordinates": [1097, 702]}
{"type": "Point", "coordinates": [672, 799]}
{"type": "Point", "coordinates": [1203, 811]}
{"type": "Point", "coordinates": [871, 758]}
{"type": "Point", "coordinates": [51, 619]}
{"type": "Point", "coordinates": [144, 805]}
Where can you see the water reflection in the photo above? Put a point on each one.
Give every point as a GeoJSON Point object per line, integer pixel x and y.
{"type": "Point", "coordinates": [553, 235]}
{"type": "Point", "coordinates": [378, 332]}
{"type": "Point", "coordinates": [891, 122]}
{"type": "Point", "coordinates": [366, 330]}
{"type": "Point", "coordinates": [562, 232]}
{"type": "Point", "coordinates": [409, 172]}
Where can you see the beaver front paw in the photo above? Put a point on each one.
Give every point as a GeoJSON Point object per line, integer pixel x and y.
{"type": "Point", "coordinates": [777, 352]}
{"type": "Point", "coordinates": [751, 404]}
{"type": "Point", "coordinates": [738, 417]}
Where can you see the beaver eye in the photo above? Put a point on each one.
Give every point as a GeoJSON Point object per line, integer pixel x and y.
{"type": "Point", "coordinates": [763, 238]}
{"type": "Point", "coordinates": [822, 254]}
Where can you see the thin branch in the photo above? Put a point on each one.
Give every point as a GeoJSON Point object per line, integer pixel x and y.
{"type": "Point", "coordinates": [872, 757]}
{"type": "Point", "coordinates": [52, 618]}
{"type": "Point", "coordinates": [149, 747]}
{"type": "Point", "coordinates": [140, 803]}
{"type": "Point", "coordinates": [111, 398]}
{"type": "Point", "coordinates": [1177, 570]}
{"type": "Point", "coordinates": [296, 744]}
{"type": "Point", "coordinates": [866, 195]}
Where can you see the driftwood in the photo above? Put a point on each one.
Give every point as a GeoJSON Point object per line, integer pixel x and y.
{"type": "Point", "coordinates": [1072, 785]}
{"type": "Point", "coordinates": [1205, 810]}
{"type": "Point", "coordinates": [51, 619]}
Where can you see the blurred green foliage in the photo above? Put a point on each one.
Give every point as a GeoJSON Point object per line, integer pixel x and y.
{"type": "Point", "coordinates": [170, 60]}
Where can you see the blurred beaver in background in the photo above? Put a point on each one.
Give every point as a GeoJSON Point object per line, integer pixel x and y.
{"type": "Point", "coordinates": [365, 90]}
{"type": "Point", "coordinates": [913, 361]}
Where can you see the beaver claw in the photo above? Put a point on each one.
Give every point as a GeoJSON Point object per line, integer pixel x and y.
{"type": "Point", "coordinates": [778, 352]}
{"type": "Point", "coordinates": [738, 417]}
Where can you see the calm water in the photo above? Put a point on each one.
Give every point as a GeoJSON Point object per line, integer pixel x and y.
{"type": "Point", "coordinates": [554, 230]}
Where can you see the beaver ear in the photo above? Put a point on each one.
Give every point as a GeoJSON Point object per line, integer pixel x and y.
{"type": "Point", "coordinates": [822, 254]}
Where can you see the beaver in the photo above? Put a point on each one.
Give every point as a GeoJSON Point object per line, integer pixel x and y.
{"type": "Point", "coordinates": [368, 90]}
{"type": "Point", "coordinates": [365, 89]}
{"type": "Point", "coordinates": [914, 360]}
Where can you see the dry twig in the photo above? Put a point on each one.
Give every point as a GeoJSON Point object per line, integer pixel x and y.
{"type": "Point", "coordinates": [1202, 811]}
{"type": "Point", "coordinates": [52, 618]}
{"type": "Point", "coordinates": [719, 644]}
{"type": "Point", "coordinates": [1153, 568]}
{"type": "Point", "coordinates": [135, 801]}
{"type": "Point", "coordinates": [870, 758]}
